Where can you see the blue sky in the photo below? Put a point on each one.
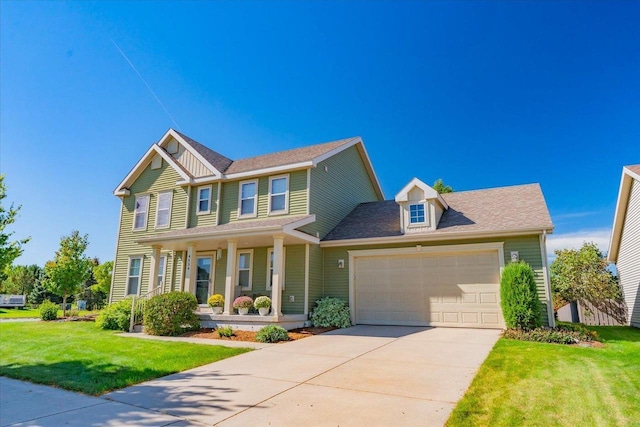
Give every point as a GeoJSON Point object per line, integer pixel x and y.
{"type": "Point", "coordinates": [480, 94]}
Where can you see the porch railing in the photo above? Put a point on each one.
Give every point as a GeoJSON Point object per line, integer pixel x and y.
{"type": "Point", "coordinates": [138, 304]}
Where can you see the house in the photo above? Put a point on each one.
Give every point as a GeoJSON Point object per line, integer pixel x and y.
{"type": "Point", "coordinates": [624, 246]}
{"type": "Point", "coordinates": [310, 222]}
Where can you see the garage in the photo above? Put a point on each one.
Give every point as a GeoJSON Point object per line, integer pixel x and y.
{"type": "Point", "coordinates": [427, 287]}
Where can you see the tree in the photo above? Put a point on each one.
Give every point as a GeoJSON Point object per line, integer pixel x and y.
{"type": "Point", "coordinates": [582, 275]}
{"type": "Point", "coordinates": [21, 279]}
{"type": "Point", "coordinates": [519, 296]}
{"type": "Point", "coordinates": [8, 250]}
{"type": "Point", "coordinates": [441, 188]}
{"type": "Point", "coordinates": [70, 267]}
{"type": "Point", "coordinates": [95, 289]}
{"type": "Point", "coordinates": [102, 274]}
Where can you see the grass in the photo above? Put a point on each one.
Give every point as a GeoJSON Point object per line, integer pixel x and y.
{"type": "Point", "coordinates": [526, 383]}
{"type": "Point", "coordinates": [81, 357]}
{"type": "Point", "coordinates": [18, 313]}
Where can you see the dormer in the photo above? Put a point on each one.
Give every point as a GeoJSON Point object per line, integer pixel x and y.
{"type": "Point", "coordinates": [421, 207]}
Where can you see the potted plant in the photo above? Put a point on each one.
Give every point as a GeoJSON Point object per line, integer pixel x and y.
{"type": "Point", "coordinates": [262, 304]}
{"type": "Point", "coordinates": [216, 302]}
{"type": "Point", "coordinates": [243, 304]}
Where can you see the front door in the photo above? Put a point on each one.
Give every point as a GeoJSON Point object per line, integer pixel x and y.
{"type": "Point", "coordinates": [203, 278]}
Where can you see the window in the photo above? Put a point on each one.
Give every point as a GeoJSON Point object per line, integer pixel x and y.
{"type": "Point", "coordinates": [278, 194]}
{"type": "Point", "coordinates": [248, 190]}
{"type": "Point", "coordinates": [133, 275]}
{"type": "Point", "coordinates": [204, 200]}
{"type": "Point", "coordinates": [416, 214]}
{"type": "Point", "coordinates": [270, 267]}
{"type": "Point", "coordinates": [161, 269]}
{"type": "Point", "coordinates": [140, 213]}
{"type": "Point", "coordinates": [244, 269]}
{"type": "Point", "coordinates": [163, 212]}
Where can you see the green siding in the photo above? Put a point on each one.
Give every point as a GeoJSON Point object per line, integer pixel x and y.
{"type": "Point", "coordinates": [202, 220]}
{"type": "Point", "coordinates": [316, 268]}
{"type": "Point", "coordinates": [297, 197]}
{"type": "Point", "coordinates": [338, 190]}
{"type": "Point", "coordinates": [336, 280]}
{"type": "Point", "coordinates": [150, 181]}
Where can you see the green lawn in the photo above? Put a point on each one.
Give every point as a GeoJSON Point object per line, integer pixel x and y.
{"type": "Point", "coordinates": [78, 356]}
{"type": "Point", "coordinates": [16, 313]}
{"type": "Point", "coordinates": [525, 383]}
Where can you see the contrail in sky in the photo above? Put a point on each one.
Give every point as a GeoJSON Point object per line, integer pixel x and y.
{"type": "Point", "coordinates": [146, 84]}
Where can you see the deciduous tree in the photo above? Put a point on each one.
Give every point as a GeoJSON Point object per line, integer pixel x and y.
{"type": "Point", "coordinates": [9, 250]}
{"type": "Point", "coordinates": [441, 188]}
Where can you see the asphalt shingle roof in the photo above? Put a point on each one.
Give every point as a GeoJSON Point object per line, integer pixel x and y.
{"type": "Point", "coordinates": [634, 168]}
{"type": "Point", "coordinates": [520, 207]}
{"type": "Point", "coordinates": [216, 159]}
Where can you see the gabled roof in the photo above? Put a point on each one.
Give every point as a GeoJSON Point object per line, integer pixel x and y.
{"type": "Point", "coordinates": [217, 160]}
{"type": "Point", "coordinates": [629, 173]}
{"type": "Point", "coordinates": [503, 210]}
{"type": "Point", "coordinates": [429, 192]}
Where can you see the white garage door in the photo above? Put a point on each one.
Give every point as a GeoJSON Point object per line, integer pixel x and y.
{"type": "Point", "coordinates": [457, 289]}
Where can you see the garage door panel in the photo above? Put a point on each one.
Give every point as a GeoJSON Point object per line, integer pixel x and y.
{"type": "Point", "coordinates": [450, 290]}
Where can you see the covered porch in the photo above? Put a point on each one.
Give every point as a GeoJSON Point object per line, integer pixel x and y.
{"type": "Point", "coordinates": [261, 257]}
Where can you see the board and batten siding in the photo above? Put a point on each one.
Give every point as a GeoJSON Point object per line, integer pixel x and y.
{"type": "Point", "coordinates": [201, 220]}
{"type": "Point", "coordinates": [150, 181]}
{"type": "Point", "coordinates": [336, 280]}
{"type": "Point", "coordinates": [190, 162]}
{"type": "Point", "coordinates": [297, 197]}
{"type": "Point", "coordinates": [337, 185]}
{"type": "Point", "coordinates": [628, 263]}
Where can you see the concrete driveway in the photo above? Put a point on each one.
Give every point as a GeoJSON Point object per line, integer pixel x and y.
{"type": "Point", "coordinates": [364, 375]}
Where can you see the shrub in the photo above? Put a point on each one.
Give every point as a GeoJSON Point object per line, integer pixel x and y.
{"type": "Point", "coordinates": [331, 312]}
{"type": "Point", "coordinates": [519, 297]}
{"type": "Point", "coordinates": [243, 302]}
{"type": "Point", "coordinates": [171, 314]}
{"type": "Point", "coordinates": [225, 331]}
{"type": "Point", "coordinates": [272, 333]}
{"type": "Point", "coordinates": [262, 302]}
{"type": "Point", "coordinates": [73, 313]}
{"type": "Point", "coordinates": [48, 310]}
{"type": "Point", "coordinates": [558, 335]}
{"type": "Point", "coordinates": [216, 300]}
{"type": "Point", "coordinates": [116, 316]}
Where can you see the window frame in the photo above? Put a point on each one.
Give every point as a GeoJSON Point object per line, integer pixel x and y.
{"type": "Point", "coordinates": [164, 270]}
{"type": "Point", "coordinates": [424, 211]}
{"type": "Point", "coordinates": [161, 193]}
{"type": "Point", "coordinates": [244, 252]}
{"type": "Point", "coordinates": [270, 268]}
{"type": "Point", "coordinates": [129, 276]}
{"type": "Point", "coordinates": [254, 214]}
{"type": "Point", "coordinates": [146, 212]}
{"type": "Point", "coordinates": [286, 195]}
{"type": "Point", "coordinates": [199, 199]}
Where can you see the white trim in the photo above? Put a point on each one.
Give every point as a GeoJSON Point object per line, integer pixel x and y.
{"type": "Point", "coordinates": [198, 199]}
{"type": "Point", "coordinates": [188, 210]}
{"type": "Point", "coordinates": [621, 211]}
{"type": "Point", "coordinates": [255, 199]}
{"type": "Point", "coordinates": [168, 225]}
{"type": "Point", "coordinates": [429, 193]}
{"type": "Point", "coordinates": [212, 274]}
{"type": "Point", "coordinates": [425, 214]}
{"type": "Point", "coordinates": [146, 213]}
{"type": "Point", "coordinates": [218, 203]}
{"type": "Point", "coordinates": [269, 171]}
{"type": "Point", "coordinates": [430, 237]}
{"type": "Point", "coordinates": [251, 260]}
{"type": "Point", "coordinates": [547, 282]}
{"type": "Point", "coordinates": [126, 286]}
{"type": "Point", "coordinates": [308, 191]}
{"type": "Point", "coordinates": [164, 269]}
{"type": "Point", "coordinates": [472, 247]}
{"type": "Point", "coordinates": [115, 256]}
{"type": "Point", "coordinates": [122, 188]}
{"type": "Point", "coordinates": [270, 267]}
{"type": "Point", "coordinates": [306, 279]}
{"type": "Point", "coordinates": [285, 211]}
{"type": "Point", "coordinates": [188, 147]}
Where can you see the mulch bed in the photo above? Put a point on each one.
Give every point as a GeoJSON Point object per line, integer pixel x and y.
{"type": "Point", "coordinates": [294, 334]}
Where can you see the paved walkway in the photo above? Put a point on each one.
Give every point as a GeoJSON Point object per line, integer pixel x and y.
{"type": "Point", "coordinates": [364, 375]}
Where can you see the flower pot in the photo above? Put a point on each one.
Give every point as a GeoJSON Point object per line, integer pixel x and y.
{"type": "Point", "coordinates": [264, 311]}
{"type": "Point", "coordinates": [243, 310]}
{"type": "Point", "coordinates": [216, 310]}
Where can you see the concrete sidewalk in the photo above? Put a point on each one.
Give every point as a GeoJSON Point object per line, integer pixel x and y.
{"type": "Point", "coordinates": [364, 375]}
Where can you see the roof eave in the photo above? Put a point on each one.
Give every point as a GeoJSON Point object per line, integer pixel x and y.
{"type": "Point", "coordinates": [621, 211]}
{"type": "Point", "coordinates": [171, 132]}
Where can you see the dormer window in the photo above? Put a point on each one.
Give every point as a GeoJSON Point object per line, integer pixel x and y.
{"type": "Point", "coordinates": [417, 213]}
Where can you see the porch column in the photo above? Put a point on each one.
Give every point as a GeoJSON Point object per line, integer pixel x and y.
{"type": "Point", "coordinates": [153, 269]}
{"type": "Point", "coordinates": [276, 285]}
{"type": "Point", "coordinates": [229, 282]}
{"type": "Point", "coordinates": [191, 270]}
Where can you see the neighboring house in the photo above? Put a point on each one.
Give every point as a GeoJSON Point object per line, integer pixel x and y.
{"type": "Point", "coordinates": [624, 247]}
{"type": "Point", "coordinates": [311, 222]}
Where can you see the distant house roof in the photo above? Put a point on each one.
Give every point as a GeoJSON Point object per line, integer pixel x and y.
{"type": "Point", "coordinates": [629, 174]}
{"type": "Point", "coordinates": [500, 210]}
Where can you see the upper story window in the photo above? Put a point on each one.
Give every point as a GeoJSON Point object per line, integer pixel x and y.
{"type": "Point", "coordinates": [248, 199]}
{"type": "Point", "coordinates": [204, 200]}
{"type": "Point", "coordinates": [278, 194]}
{"type": "Point", "coordinates": [140, 212]}
{"type": "Point", "coordinates": [163, 211]}
{"type": "Point", "coordinates": [416, 213]}
{"type": "Point", "coordinates": [244, 275]}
